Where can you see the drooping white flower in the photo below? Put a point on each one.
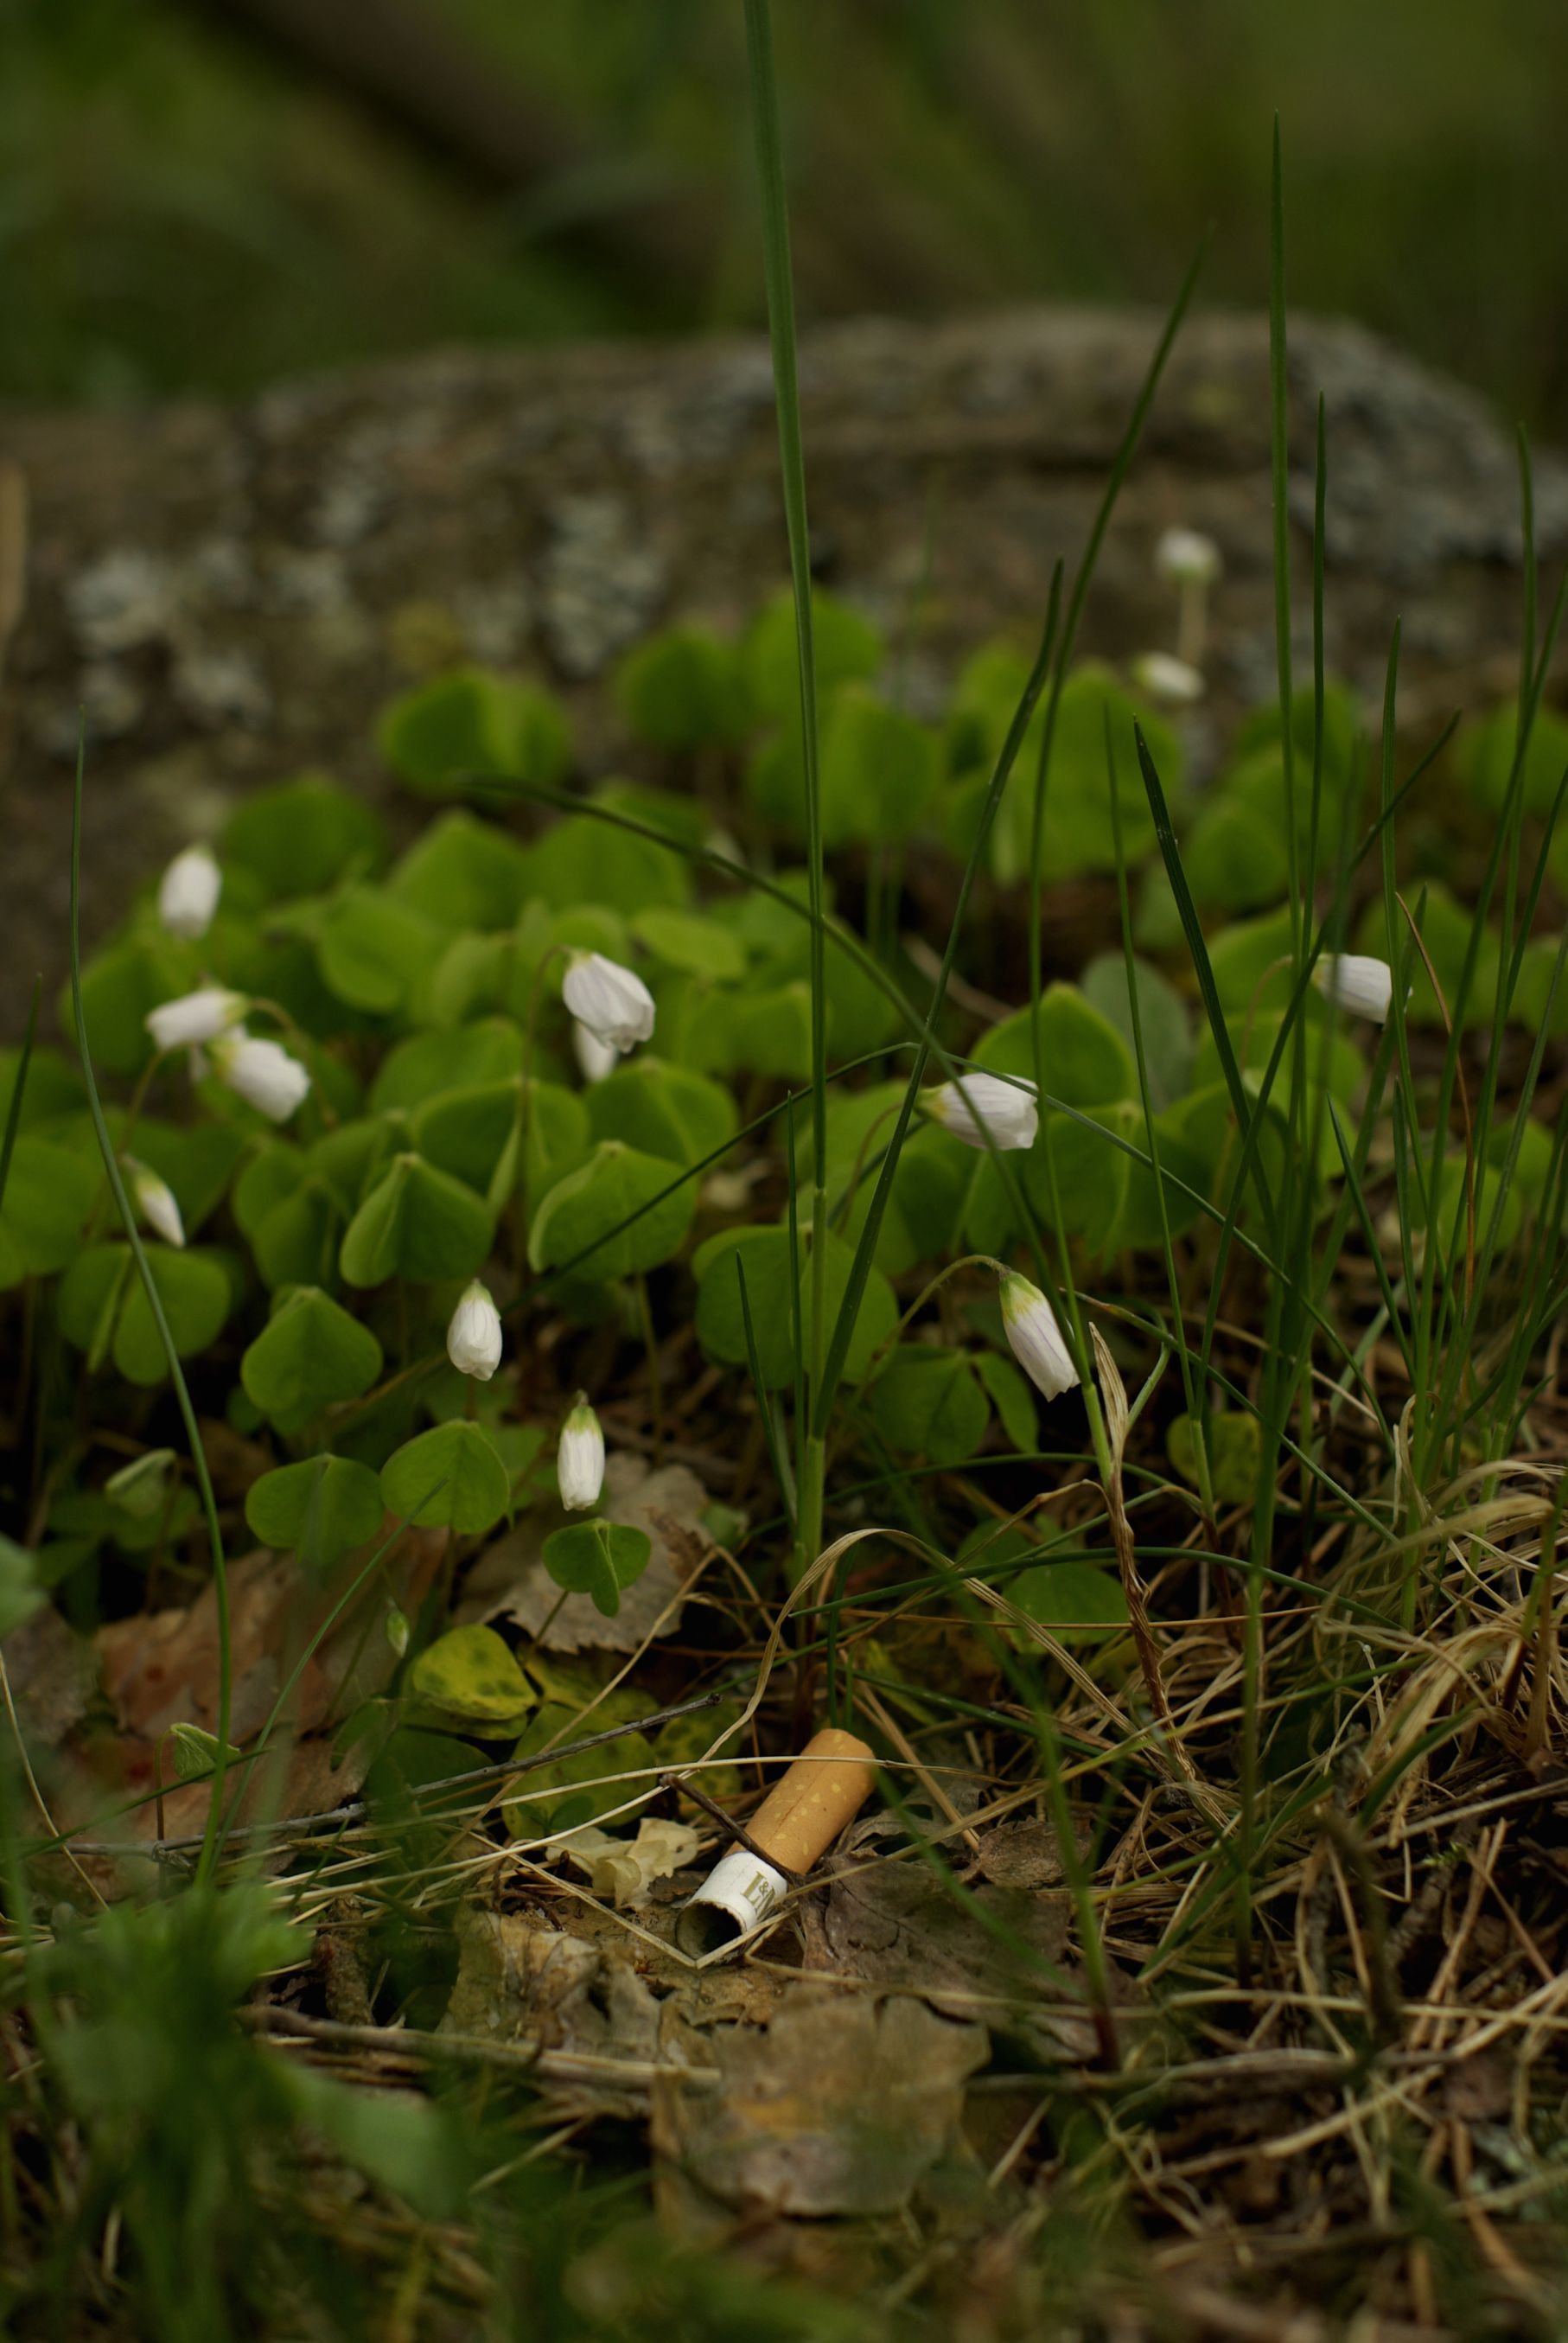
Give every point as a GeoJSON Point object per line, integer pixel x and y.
{"type": "Point", "coordinates": [261, 1072]}
{"type": "Point", "coordinates": [188, 892]}
{"type": "Point", "coordinates": [1035, 1338]}
{"type": "Point", "coordinates": [1187, 558]}
{"type": "Point", "coordinates": [978, 1103]}
{"type": "Point", "coordinates": [579, 1459]}
{"type": "Point", "coordinates": [156, 1202]}
{"type": "Point", "coordinates": [1168, 680]}
{"type": "Point", "coordinates": [474, 1336]}
{"type": "Point", "coordinates": [596, 1058]}
{"type": "Point", "coordinates": [196, 1017]}
{"type": "Point", "coordinates": [616, 1006]}
{"type": "Point", "coordinates": [1357, 981]}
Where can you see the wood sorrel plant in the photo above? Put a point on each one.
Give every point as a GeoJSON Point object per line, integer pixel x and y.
{"type": "Point", "coordinates": [783, 1158]}
{"type": "Point", "coordinates": [396, 1190]}
{"type": "Point", "coordinates": [313, 1247]}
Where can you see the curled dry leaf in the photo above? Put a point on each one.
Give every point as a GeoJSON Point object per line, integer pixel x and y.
{"type": "Point", "coordinates": [624, 1871]}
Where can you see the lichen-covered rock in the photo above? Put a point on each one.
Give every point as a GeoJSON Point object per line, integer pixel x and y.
{"type": "Point", "coordinates": [232, 593]}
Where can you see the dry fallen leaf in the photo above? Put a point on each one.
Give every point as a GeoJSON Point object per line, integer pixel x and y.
{"type": "Point", "coordinates": [161, 1667]}
{"type": "Point", "coordinates": [838, 2106]}
{"type": "Point", "coordinates": [520, 1980]}
{"type": "Point", "coordinates": [510, 1581]}
{"type": "Point", "coordinates": [898, 1923]}
{"type": "Point", "coordinates": [626, 1869]}
{"type": "Point", "coordinates": [1025, 1853]}
{"type": "Point", "coordinates": [53, 1673]}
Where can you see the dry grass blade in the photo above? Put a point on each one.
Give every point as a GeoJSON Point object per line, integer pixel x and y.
{"type": "Point", "coordinates": [1114, 1393]}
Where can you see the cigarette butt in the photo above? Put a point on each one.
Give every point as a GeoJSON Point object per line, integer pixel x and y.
{"type": "Point", "coordinates": [828, 1782]}
{"type": "Point", "coordinates": [800, 1816]}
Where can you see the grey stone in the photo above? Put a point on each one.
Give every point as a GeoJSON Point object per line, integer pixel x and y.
{"type": "Point", "coordinates": [240, 579]}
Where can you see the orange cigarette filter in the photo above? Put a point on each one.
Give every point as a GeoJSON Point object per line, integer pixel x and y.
{"type": "Point", "coordinates": [826, 1787]}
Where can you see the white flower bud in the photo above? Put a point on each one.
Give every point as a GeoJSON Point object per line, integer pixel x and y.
{"type": "Point", "coordinates": [196, 1017]}
{"type": "Point", "coordinates": [188, 892]}
{"type": "Point", "coordinates": [1035, 1338]}
{"type": "Point", "coordinates": [139, 1488]}
{"type": "Point", "coordinates": [156, 1202]}
{"type": "Point", "coordinates": [1188, 558]}
{"type": "Point", "coordinates": [616, 1006]}
{"type": "Point", "coordinates": [978, 1103]}
{"type": "Point", "coordinates": [722, 841]}
{"type": "Point", "coordinates": [596, 1058]}
{"type": "Point", "coordinates": [395, 1627]}
{"type": "Point", "coordinates": [1168, 680]}
{"type": "Point", "coordinates": [1356, 981]}
{"type": "Point", "coordinates": [261, 1072]}
{"type": "Point", "coordinates": [474, 1336]}
{"type": "Point", "coordinates": [579, 1459]}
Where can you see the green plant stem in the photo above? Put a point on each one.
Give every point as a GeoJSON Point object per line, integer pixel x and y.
{"type": "Point", "coordinates": [650, 1347]}
{"type": "Point", "coordinates": [13, 1112]}
{"type": "Point", "coordinates": [525, 1107]}
{"type": "Point", "coordinates": [154, 1302]}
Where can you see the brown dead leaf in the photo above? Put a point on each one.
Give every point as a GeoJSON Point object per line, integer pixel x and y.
{"type": "Point", "coordinates": [521, 1979]}
{"type": "Point", "coordinates": [1025, 1853]}
{"type": "Point", "coordinates": [299, 1779]}
{"type": "Point", "coordinates": [234, 1461]}
{"type": "Point", "coordinates": [898, 1923]}
{"type": "Point", "coordinates": [518, 1976]}
{"type": "Point", "coordinates": [161, 1667]}
{"type": "Point", "coordinates": [53, 1673]}
{"type": "Point", "coordinates": [836, 2107]}
{"type": "Point", "coordinates": [510, 1581]}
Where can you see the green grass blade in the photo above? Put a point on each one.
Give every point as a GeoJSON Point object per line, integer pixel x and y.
{"type": "Point", "coordinates": [779, 281]}
{"type": "Point", "coordinates": [1279, 483]}
{"type": "Point", "coordinates": [1191, 928]}
{"type": "Point", "coordinates": [1084, 577]}
{"type": "Point", "coordinates": [859, 1270]}
{"type": "Point", "coordinates": [781, 1471]}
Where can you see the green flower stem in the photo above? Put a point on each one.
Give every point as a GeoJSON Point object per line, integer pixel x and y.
{"type": "Point", "coordinates": [208, 1856]}
{"type": "Point", "coordinates": [14, 1113]}
{"type": "Point", "coordinates": [879, 1357]}
{"type": "Point", "coordinates": [133, 1116]}
{"type": "Point", "coordinates": [525, 1108]}
{"type": "Point", "coordinates": [650, 1345]}
{"type": "Point", "coordinates": [305, 1049]}
{"type": "Point", "coordinates": [845, 1202]}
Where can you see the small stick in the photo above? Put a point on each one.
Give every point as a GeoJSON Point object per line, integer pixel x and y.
{"type": "Point", "coordinates": [727, 1824]}
{"type": "Point", "coordinates": [356, 1809]}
